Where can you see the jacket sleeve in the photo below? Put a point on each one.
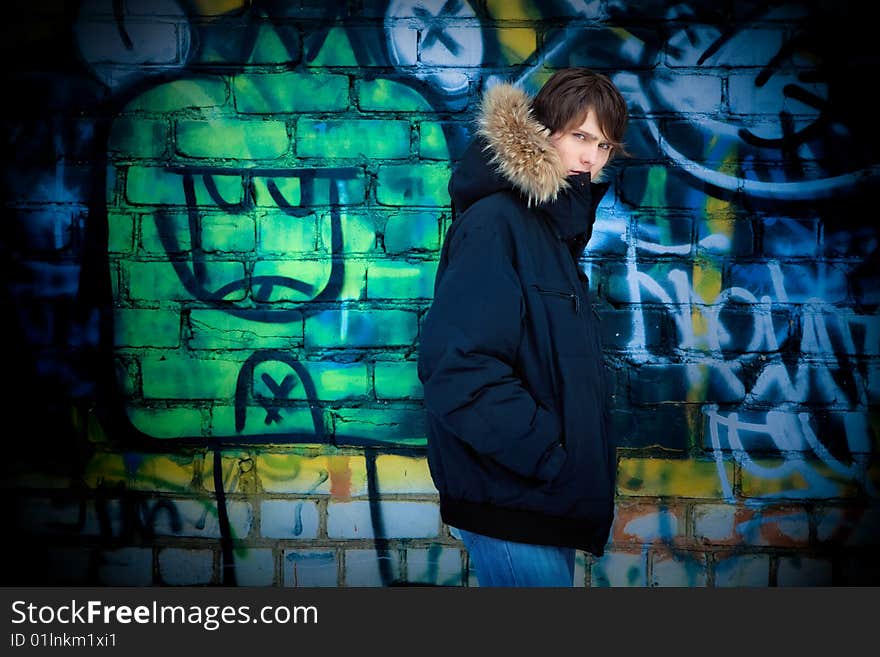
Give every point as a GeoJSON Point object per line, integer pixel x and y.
{"type": "Point", "coordinates": [468, 347]}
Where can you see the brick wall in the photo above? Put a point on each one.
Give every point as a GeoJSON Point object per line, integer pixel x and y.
{"type": "Point", "coordinates": [223, 223]}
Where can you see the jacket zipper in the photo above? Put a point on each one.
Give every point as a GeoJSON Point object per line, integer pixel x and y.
{"type": "Point", "coordinates": [566, 295]}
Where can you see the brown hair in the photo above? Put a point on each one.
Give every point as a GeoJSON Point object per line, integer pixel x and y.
{"type": "Point", "coordinates": [571, 93]}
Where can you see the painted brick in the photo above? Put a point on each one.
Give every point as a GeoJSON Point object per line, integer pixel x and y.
{"type": "Point", "coordinates": [656, 477]}
{"type": "Point", "coordinates": [647, 523]}
{"type": "Point", "coordinates": [873, 385]}
{"type": "Point", "coordinates": [432, 141]}
{"type": "Point", "coordinates": [619, 279]}
{"type": "Point", "coordinates": [105, 468]}
{"type": "Point", "coordinates": [371, 426]}
{"type": "Point", "coordinates": [803, 571]}
{"type": "Point", "coordinates": [249, 329]}
{"type": "Point", "coordinates": [254, 566]}
{"type": "Point", "coordinates": [165, 232]}
{"type": "Point", "coordinates": [236, 139]}
{"type": "Point", "coordinates": [626, 329]}
{"type": "Point", "coordinates": [773, 526]}
{"type": "Point", "coordinates": [238, 469]}
{"type": "Point", "coordinates": [327, 380]}
{"type": "Point", "coordinates": [725, 237]}
{"type": "Point", "coordinates": [714, 523]}
{"type": "Point", "coordinates": [156, 186]}
{"type": "Point", "coordinates": [433, 52]}
{"type": "Point", "coordinates": [306, 568]}
{"type": "Point", "coordinates": [619, 569]}
{"type": "Point", "coordinates": [410, 231]}
{"type": "Point", "coordinates": [372, 568]}
{"type": "Point", "coordinates": [609, 232]}
{"type": "Point", "coordinates": [228, 234]}
{"type": "Point", "coordinates": [68, 566]}
{"type": "Point", "coordinates": [273, 44]}
{"type": "Point", "coordinates": [385, 95]}
{"type": "Point", "coordinates": [188, 378]}
{"type": "Point", "coordinates": [742, 570]}
{"type": "Point", "coordinates": [303, 280]}
{"type": "Point", "coordinates": [358, 233]}
{"type": "Point", "coordinates": [403, 474]}
{"type": "Point", "coordinates": [146, 328]}
{"type": "Point", "coordinates": [437, 566]}
{"type": "Point", "coordinates": [398, 380]}
{"type": "Point", "coordinates": [361, 138]}
{"type": "Point", "coordinates": [337, 49]}
{"type": "Point", "coordinates": [195, 518]}
{"type": "Point", "coordinates": [302, 189]}
{"type": "Point", "coordinates": [359, 328]}
{"type": "Point", "coordinates": [664, 232]}
{"type": "Point", "coordinates": [51, 280]}
{"type": "Point", "coordinates": [583, 45]}
{"type": "Point", "coordinates": [61, 516]}
{"type": "Point", "coordinates": [413, 184]}
{"type": "Point", "coordinates": [756, 431]}
{"type": "Point", "coordinates": [130, 566]}
{"type": "Point", "coordinates": [50, 183]}
{"type": "Point", "coordinates": [286, 234]}
{"type": "Point", "coordinates": [160, 422]}
{"type": "Point", "coordinates": [289, 519]}
{"type": "Point", "coordinates": [182, 94]}
{"type": "Point", "coordinates": [803, 282]}
{"type": "Point", "coordinates": [288, 423]}
{"type": "Point", "coordinates": [401, 280]}
{"type": "Point", "coordinates": [752, 330]}
{"type": "Point", "coordinates": [688, 93]}
{"type": "Point", "coordinates": [516, 45]}
{"type": "Point", "coordinates": [341, 477]}
{"type": "Point", "coordinates": [138, 137]}
{"type": "Point", "coordinates": [795, 478]}
{"type": "Point", "coordinates": [856, 241]}
{"type": "Point", "coordinates": [750, 47]}
{"type": "Point", "coordinates": [120, 232]}
{"type": "Point", "coordinates": [156, 43]}
{"type": "Point", "coordinates": [186, 567]}
{"type": "Point", "coordinates": [651, 384]}
{"type": "Point", "coordinates": [678, 568]}
{"type": "Point", "coordinates": [159, 281]}
{"type": "Point", "coordinates": [665, 425]}
{"type": "Point", "coordinates": [398, 519]}
{"type": "Point", "coordinates": [25, 478]}
{"type": "Point", "coordinates": [851, 525]}
{"type": "Point", "coordinates": [848, 333]}
{"type": "Point", "coordinates": [745, 96]}
{"type": "Point", "coordinates": [280, 93]}
{"type": "Point", "coordinates": [784, 237]}
{"type": "Point", "coordinates": [160, 472]}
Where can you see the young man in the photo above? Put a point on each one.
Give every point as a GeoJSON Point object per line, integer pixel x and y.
{"type": "Point", "coordinates": [510, 357]}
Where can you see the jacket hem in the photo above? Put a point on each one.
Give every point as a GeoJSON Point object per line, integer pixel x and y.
{"type": "Point", "coordinates": [589, 533]}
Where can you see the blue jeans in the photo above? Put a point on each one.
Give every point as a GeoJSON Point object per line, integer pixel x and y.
{"type": "Point", "coordinates": [506, 563]}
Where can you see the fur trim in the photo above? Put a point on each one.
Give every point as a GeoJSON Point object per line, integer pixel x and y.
{"type": "Point", "coordinates": [519, 145]}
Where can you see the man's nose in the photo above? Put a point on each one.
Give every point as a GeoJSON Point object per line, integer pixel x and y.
{"type": "Point", "coordinates": [588, 154]}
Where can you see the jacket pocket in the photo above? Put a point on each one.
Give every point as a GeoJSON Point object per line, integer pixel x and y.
{"type": "Point", "coordinates": [572, 297]}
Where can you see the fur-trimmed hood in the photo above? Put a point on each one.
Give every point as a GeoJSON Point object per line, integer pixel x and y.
{"type": "Point", "coordinates": [512, 151]}
{"type": "Point", "coordinates": [519, 144]}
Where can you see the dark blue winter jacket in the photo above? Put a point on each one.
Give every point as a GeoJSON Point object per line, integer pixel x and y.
{"type": "Point", "coordinates": [510, 357]}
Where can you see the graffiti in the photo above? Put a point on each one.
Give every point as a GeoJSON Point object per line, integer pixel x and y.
{"type": "Point", "coordinates": [244, 259]}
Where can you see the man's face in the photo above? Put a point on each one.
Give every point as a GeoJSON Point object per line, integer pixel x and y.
{"type": "Point", "coordinates": [584, 147]}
